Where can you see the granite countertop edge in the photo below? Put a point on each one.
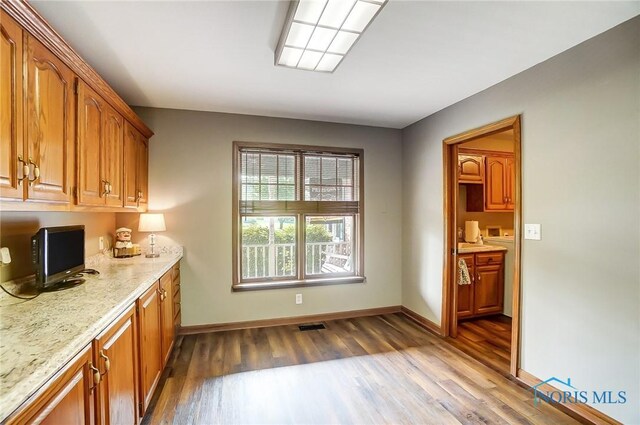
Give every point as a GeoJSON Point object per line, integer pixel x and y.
{"type": "Point", "coordinates": [480, 249]}
{"type": "Point", "coordinates": [24, 389]}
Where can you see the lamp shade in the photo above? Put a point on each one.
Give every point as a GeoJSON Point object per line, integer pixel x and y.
{"type": "Point", "coordinates": [151, 223]}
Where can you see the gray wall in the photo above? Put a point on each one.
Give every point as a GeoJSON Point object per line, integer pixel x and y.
{"type": "Point", "coordinates": [16, 229]}
{"type": "Point", "coordinates": [581, 181]}
{"type": "Point", "coordinates": [190, 181]}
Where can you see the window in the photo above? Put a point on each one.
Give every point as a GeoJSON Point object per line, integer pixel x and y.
{"type": "Point", "coordinates": [298, 215]}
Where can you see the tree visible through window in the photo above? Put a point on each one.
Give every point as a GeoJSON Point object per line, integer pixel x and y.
{"type": "Point", "coordinates": [297, 215]}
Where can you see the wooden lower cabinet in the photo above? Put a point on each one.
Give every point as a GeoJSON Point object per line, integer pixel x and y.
{"type": "Point", "coordinates": [150, 343]}
{"type": "Point", "coordinates": [177, 303]}
{"type": "Point", "coordinates": [68, 400]}
{"type": "Point", "coordinates": [116, 357]}
{"type": "Point", "coordinates": [485, 295]}
{"type": "Point", "coordinates": [166, 313]}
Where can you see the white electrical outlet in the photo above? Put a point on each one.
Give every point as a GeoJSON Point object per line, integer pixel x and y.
{"type": "Point", "coordinates": [532, 231]}
{"type": "Point", "coordinates": [101, 243]}
{"type": "Point", "coordinates": [298, 298]}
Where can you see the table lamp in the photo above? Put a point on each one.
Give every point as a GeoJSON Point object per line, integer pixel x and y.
{"type": "Point", "coordinates": [151, 223]}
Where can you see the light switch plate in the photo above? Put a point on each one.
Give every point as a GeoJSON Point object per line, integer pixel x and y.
{"type": "Point", "coordinates": [532, 231]}
{"type": "Point", "coordinates": [298, 298]}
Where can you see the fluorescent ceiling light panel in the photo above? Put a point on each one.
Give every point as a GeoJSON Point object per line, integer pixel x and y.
{"type": "Point", "coordinates": [309, 11]}
{"type": "Point", "coordinates": [319, 33]}
{"type": "Point", "coordinates": [321, 38]}
{"type": "Point", "coordinates": [328, 62]}
{"type": "Point", "coordinates": [360, 16]}
{"type": "Point", "coordinates": [290, 57]}
{"type": "Point", "coordinates": [342, 42]}
{"type": "Point", "coordinates": [299, 35]}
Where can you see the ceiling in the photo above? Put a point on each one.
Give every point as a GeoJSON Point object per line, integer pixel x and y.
{"type": "Point", "coordinates": [416, 58]}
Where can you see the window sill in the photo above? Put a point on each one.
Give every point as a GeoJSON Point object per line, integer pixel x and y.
{"type": "Point", "coordinates": [257, 286]}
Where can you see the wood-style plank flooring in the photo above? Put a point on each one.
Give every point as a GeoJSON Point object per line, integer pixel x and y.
{"type": "Point", "coordinates": [486, 339]}
{"type": "Point", "coordinates": [370, 370]}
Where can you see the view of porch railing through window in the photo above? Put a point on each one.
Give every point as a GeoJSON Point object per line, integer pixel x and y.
{"type": "Point", "coordinates": [278, 259]}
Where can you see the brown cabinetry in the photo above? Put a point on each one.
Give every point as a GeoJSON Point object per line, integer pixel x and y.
{"type": "Point", "coordinates": [99, 151]}
{"type": "Point", "coordinates": [58, 146]}
{"type": "Point", "coordinates": [166, 311]}
{"type": "Point", "coordinates": [116, 357]}
{"type": "Point", "coordinates": [12, 173]}
{"type": "Point", "coordinates": [136, 157]}
{"type": "Point", "coordinates": [470, 168]}
{"type": "Point", "coordinates": [177, 306]}
{"type": "Point", "coordinates": [500, 175]}
{"type": "Point", "coordinates": [69, 399]}
{"type": "Point", "coordinates": [49, 119]}
{"type": "Point", "coordinates": [485, 294]}
{"type": "Point", "coordinates": [150, 343]}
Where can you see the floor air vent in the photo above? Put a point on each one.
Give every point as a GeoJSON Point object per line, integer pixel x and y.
{"type": "Point", "coordinates": [312, 327]}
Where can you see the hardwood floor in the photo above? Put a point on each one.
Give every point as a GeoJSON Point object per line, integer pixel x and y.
{"type": "Point", "coordinates": [486, 339]}
{"type": "Point", "coordinates": [380, 369]}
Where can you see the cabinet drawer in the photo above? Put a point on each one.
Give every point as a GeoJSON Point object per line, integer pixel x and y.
{"type": "Point", "coordinates": [468, 258]}
{"type": "Point", "coordinates": [489, 258]}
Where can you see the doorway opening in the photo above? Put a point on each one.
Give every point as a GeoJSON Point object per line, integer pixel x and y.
{"type": "Point", "coordinates": [482, 209]}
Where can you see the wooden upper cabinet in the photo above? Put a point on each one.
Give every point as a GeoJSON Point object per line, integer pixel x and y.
{"type": "Point", "coordinates": [470, 168]}
{"type": "Point", "coordinates": [116, 356]}
{"type": "Point", "coordinates": [99, 151]}
{"type": "Point", "coordinates": [68, 400]}
{"type": "Point", "coordinates": [114, 157]}
{"type": "Point", "coordinates": [511, 179]}
{"type": "Point", "coordinates": [91, 186]}
{"type": "Point", "coordinates": [49, 119]}
{"type": "Point", "coordinates": [150, 344]}
{"type": "Point", "coordinates": [11, 142]}
{"type": "Point", "coordinates": [136, 157]}
{"type": "Point", "coordinates": [496, 184]}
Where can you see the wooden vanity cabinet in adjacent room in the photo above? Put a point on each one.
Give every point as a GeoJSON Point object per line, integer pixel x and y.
{"type": "Point", "coordinates": [116, 357]}
{"type": "Point", "coordinates": [68, 399]}
{"type": "Point", "coordinates": [485, 295]}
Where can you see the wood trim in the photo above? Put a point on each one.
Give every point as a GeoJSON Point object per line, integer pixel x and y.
{"type": "Point", "coordinates": [421, 321]}
{"type": "Point", "coordinates": [450, 150]}
{"type": "Point", "coordinates": [37, 26]}
{"type": "Point", "coordinates": [485, 152]}
{"type": "Point", "coordinates": [580, 412]}
{"type": "Point", "coordinates": [484, 131]}
{"type": "Point", "coordinates": [283, 321]}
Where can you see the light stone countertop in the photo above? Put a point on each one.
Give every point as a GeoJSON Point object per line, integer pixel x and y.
{"type": "Point", "coordinates": [38, 337]}
{"type": "Point", "coordinates": [467, 248]}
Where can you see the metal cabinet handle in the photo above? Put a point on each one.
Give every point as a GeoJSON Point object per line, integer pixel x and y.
{"type": "Point", "coordinates": [96, 376]}
{"type": "Point", "coordinates": [161, 294]}
{"type": "Point", "coordinates": [107, 362]}
{"type": "Point", "coordinates": [22, 164]}
{"type": "Point", "coordinates": [479, 278]}
{"type": "Point", "coordinates": [36, 172]}
{"type": "Point", "coordinates": [138, 197]}
{"type": "Point", "coordinates": [106, 188]}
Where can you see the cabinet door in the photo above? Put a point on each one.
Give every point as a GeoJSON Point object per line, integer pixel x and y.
{"type": "Point", "coordinates": [495, 184]}
{"type": "Point", "coordinates": [470, 168]}
{"type": "Point", "coordinates": [150, 344]}
{"type": "Point", "coordinates": [488, 291]}
{"type": "Point", "coordinates": [91, 184]}
{"type": "Point", "coordinates": [177, 313]}
{"type": "Point", "coordinates": [465, 292]}
{"type": "Point", "coordinates": [130, 165]}
{"type": "Point", "coordinates": [11, 142]}
{"type": "Point", "coordinates": [116, 355]}
{"type": "Point", "coordinates": [68, 400]}
{"type": "Point", "coordinates": [166, 308]}
{"type": "Point", "coordinates": [510, 175]}
{"type": "Point", "coordinates": [114, 157]}
{"type": "Point", "coordinates": [143, 172]}
{"type": "Point", "coordinates": [49, 123]}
